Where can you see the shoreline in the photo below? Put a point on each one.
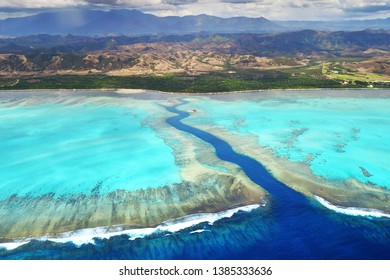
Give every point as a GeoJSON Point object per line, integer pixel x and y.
{"type": "Point", "coordinates": [123, 91]}
{"type": "Point", "coordinates": [270, 90]}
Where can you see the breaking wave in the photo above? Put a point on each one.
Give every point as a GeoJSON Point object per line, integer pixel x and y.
{"type": "Point", "coordinates": [85, 236]}
{"type": "Point", "coordinates": [353, 211]}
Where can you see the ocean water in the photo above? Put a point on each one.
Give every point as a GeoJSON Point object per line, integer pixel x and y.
{"type": "Point", "coordinates": [338, 138]}
{"type": "Point", "coordinates": [291, 226]}
{"type": "Point", "coordinates": [68, 149]}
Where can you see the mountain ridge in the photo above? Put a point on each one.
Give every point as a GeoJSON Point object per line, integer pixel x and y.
{"type": "Point", "coordinates": [128, 22]}
{"type": "Point", "coordinates": [287, 43]}
{"type": "Point", "coordinates": [133, 22]}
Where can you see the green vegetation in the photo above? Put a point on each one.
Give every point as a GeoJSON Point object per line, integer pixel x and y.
{"type": "Point", "coordinates": [305, 77]}
{"type": "Point", "coordinates": [336, 70]}
{"type": "Point", "coordinates": [325, 68]}
{"type": "Point", "coordinates": [8, 83]}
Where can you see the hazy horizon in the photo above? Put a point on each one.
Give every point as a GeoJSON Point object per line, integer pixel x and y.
{"type": "Point", "coordinates": [277, 10]}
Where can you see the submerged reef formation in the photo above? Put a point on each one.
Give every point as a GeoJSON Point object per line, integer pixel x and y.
{"type": "Point", "coordinates": [48, 215]}
{"type": "Point", "coordinates": [137, 171]}
{"type": "Point", "coordinates": [206, 184]}
{"type": "Point", "coordinates": [297, 140]}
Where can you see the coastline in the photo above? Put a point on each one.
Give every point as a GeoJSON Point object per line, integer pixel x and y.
{"type": "Point", "coordinates": [270, 90]}
{"type": "Point", "coordinates": [131, 91]}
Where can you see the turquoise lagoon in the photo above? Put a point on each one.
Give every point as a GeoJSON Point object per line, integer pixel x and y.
{"type": "Point", "coordinates": [79, 145]}
{"type": "Point", "coordinates": [102, 161]}
{"type": "Point", "coordinates": [338, 137]}
{"type": "Point", "coordinates": [119, 154]}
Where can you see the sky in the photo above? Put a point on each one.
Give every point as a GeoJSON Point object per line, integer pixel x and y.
{"type": "Point", "coordinates": [270, 9]}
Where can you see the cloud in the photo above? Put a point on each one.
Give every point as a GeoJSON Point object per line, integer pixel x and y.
{"type": "Point", "coordinates": [365, 8]}
{"type": "Point", "coordinates": [312, 4]}
{"type": "Point", "coordinates": [74, 3]}
{"type": "Point", "coordinates": [239, 1]}
{"type": "Point", "coordinates": [122, 3]}
{"type": "Point", "coordinates": [106, 2]}
{"type": "Point", "coordinates": [272, 9]}
{"type": "Point", "coordinates": [368, 9]}
{"type": "Point", "coordinates": [179, 2]}
{"type": "Point", "coordinates": [40, 3]}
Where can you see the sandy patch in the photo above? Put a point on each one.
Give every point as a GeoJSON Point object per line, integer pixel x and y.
{"type": "Point", "coordinates": [129, 91]}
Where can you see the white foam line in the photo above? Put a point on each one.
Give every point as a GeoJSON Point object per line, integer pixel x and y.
{"type": "Point", "coordinates": [13, 245]}
{"type": "Point", "coordinates": [198, 231]}
{"type": "Point", "coordinates": [85, 236]}
{"type": "Point", "coordinates": [353, 211]}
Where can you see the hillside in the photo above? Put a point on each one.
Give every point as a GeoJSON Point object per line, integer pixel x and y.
{"type": "Point", "coordinates": [243, 61]}
{"type": "Point", "coordinates": [188, 54]}
{"type": "Point", "coordinates": [289, 43]}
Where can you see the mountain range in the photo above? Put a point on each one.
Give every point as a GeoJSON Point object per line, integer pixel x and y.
{"type": "Point", "coordinates": [192, 54]}
{"type": "Point", "coordinates": [95, 22]}
{"type": "Point", "coordinates": [134, 22]}
{"type": "Point", "coordinates": [307, 42]}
